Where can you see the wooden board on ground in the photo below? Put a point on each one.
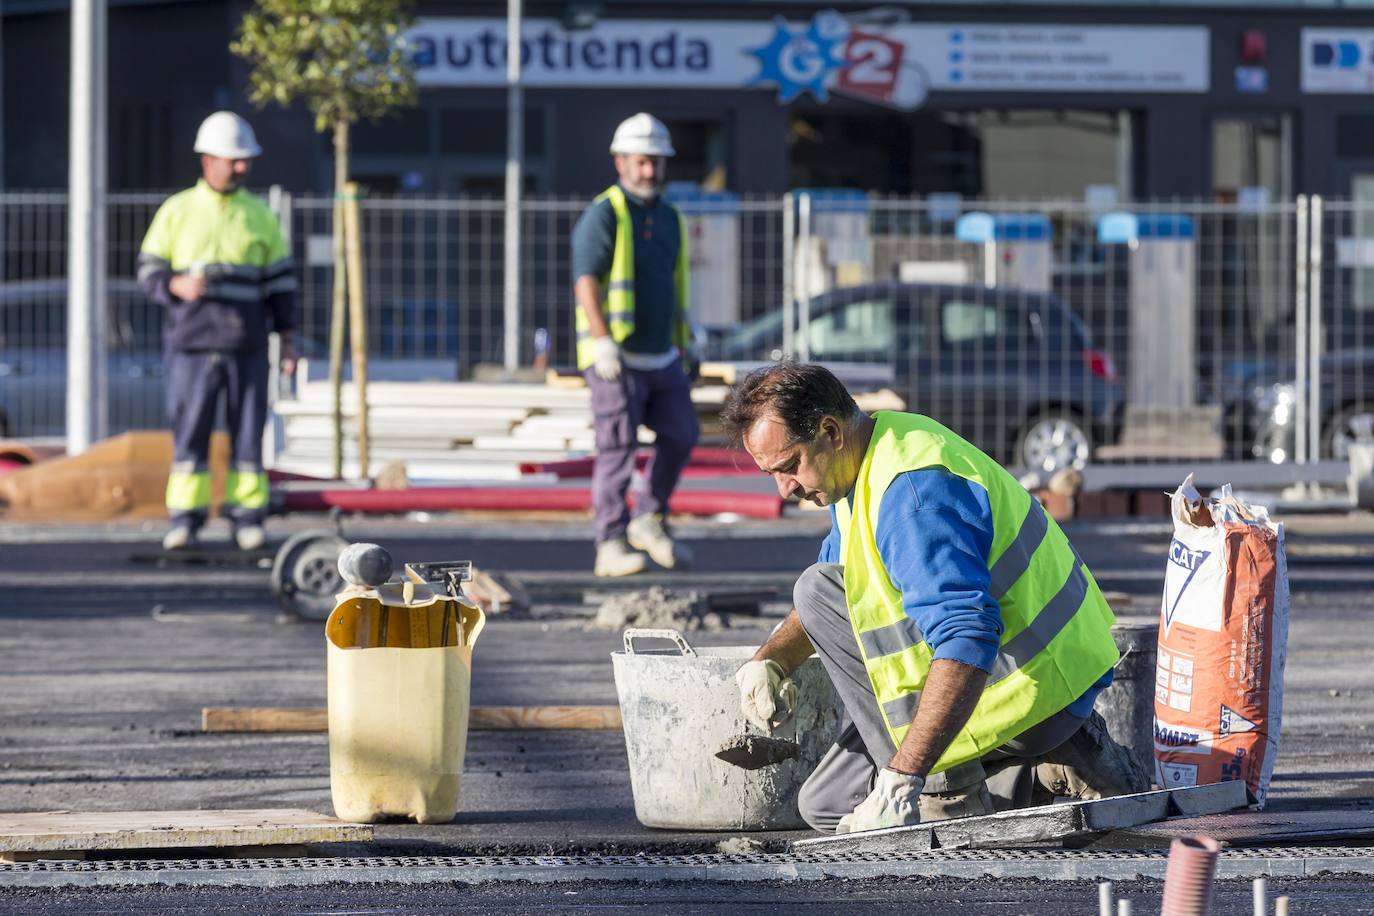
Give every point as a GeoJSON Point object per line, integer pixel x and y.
{"type": "Point", "coordinates": [480, 718]}
{"type": "Point", "coordinates": [1331, 826]}
{"type": "Point", "coordinates": [1042, 824]}
{"type": "Point", "coordinates": [60, 834]}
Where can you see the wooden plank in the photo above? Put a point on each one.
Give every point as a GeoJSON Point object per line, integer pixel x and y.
{"type": "Point", "coordinates": [480, 718]}
{"type": "Point", "coordinates": [1042, 824]}
{"type": "Point", "coordinates": [65, 831]}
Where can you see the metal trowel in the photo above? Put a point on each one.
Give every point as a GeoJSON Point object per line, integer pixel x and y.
{"type": "Point", "coordinates": [752, 752]}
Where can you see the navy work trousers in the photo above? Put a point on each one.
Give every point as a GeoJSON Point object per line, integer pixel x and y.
{"type": "Point", "coordinates": [659, 399]}
{"type": "Point", "coordinates": [196, 382]}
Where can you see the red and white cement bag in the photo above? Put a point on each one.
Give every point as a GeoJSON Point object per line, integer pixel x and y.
{"type": "Point", "coordinates": [1223, 634]}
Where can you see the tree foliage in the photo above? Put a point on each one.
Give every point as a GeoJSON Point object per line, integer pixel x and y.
{"type": "Point", "coordinates": [345, 59]}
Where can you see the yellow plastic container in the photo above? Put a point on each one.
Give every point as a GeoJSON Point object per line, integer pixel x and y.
{"type": "Point", "coordinates": [400, 676]}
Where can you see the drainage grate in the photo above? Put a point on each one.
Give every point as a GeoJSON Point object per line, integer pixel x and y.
{"type": "Point", "coordinates": [1052, 865]}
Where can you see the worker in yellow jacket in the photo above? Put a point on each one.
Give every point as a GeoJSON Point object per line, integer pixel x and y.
{"type": "Point", "coordinates": [630, 286]}
{"type": "Point", "coordinates": [215, 257]}
{"type": "Point", "coordinates": [964, 635]}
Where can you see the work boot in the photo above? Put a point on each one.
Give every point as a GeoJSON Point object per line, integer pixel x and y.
{"type": "Point", "coordinates": [182, 537]}
{"type": "Point", "coordinates": [615, 558]}
{"type": "Point", "coordinates": [649, 534]}
{"type": "Point", "coordinates": [969, 802]}
{"type": "Point", "coordinates": [1091, 765]}
{"type": "Point", "coordinates": [250, 537]}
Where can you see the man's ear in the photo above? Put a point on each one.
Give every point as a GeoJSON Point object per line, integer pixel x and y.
{"type": "Point", "coordinates": [833, 430]}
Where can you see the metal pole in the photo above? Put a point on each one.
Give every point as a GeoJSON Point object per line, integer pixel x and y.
{"type": "Point", "coordinates": [1299, 455]}
{"type": "Point", "coordinates": [515, 148]}
{"type": "Point", "coordinates": [86, 395]}
{"type": "Point", "coordinates": [789, 285]}
{"type": "Point", "coordinates": [1314, 328]}
{"type": "Point", "coordinates": [804, 297]}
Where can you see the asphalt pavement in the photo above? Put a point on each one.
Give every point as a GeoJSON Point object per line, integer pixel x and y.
{"type": "Point", "coordinates": [106, 660]}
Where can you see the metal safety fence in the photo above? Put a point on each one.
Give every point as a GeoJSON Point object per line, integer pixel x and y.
{"type": "Point", "coordinates": [1051, 333]}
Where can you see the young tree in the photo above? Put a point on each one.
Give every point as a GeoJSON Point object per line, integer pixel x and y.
{"type": "Point", "coordinates": [345, 59]}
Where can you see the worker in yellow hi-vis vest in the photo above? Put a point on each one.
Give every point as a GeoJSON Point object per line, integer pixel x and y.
{"type": "Point", "coordinates": [215, 257]}
{"type": "Point", "coordinates": [965, 636]}
{"type": "Point", "coordinates": [634, 347]}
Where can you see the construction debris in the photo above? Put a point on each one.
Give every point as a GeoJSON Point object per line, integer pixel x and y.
{"type": "Point", "coordinates": [658, 607]}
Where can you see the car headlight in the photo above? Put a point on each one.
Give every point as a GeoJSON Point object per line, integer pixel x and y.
{"type": "Point", "coordinates": [1276, 401]}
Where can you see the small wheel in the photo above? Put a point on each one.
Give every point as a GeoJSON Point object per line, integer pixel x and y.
{"type": "Point", "coordinates": [1053, 442]}
{"type": "Point", "coordinates": [305, 573]}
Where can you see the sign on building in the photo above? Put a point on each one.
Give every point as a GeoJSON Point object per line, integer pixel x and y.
{"type": "Point", "coordinates": [896, 66]}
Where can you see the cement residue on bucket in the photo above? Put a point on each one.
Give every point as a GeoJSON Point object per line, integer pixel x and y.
{"type": "Point", "coordinates": [658, 607]}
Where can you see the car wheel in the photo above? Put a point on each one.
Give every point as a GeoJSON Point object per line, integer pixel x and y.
{"type": "Point", "coordinates": [1351, 424]}
{"type": "Point", "coordinates": [1053, 442]}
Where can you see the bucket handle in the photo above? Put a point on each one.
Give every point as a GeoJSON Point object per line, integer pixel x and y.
{"type": "Point", "coordinates": [674, 636]}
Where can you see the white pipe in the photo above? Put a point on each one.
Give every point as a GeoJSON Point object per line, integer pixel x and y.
{"type": "Point", "coordinates": [1104, 898]}
{"type": "Point", "coordinates": [1259, 897]}
{"type": "Point", "coordinates": [86, 312]}
{"type": "Point", "coordinates": [515, 149]}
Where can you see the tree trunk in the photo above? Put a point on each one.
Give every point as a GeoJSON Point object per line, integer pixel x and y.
{"type": "Point", "coordinates": [357, 312]}
{"type": "Point", "coordinates": [339, 304]}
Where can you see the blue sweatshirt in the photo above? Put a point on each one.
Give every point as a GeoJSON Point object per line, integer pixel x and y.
{"type": "Point", "coordinates": [934, 536]}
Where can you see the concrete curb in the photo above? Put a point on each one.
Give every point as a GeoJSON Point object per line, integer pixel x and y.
{"type": "Point", "coordinates": [1049, 865]}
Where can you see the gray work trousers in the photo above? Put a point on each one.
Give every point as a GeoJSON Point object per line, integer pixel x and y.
{"type": "Point", "coordinates": [660, 399]}
{"type": "Point", "coordinates": [1002, 779]}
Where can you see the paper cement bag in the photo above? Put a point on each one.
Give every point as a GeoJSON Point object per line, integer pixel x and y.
{"type": "Point", "coordinates": [1223, 633]}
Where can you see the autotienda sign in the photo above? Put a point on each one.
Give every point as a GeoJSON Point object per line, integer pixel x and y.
{"type": "Point", "coordinates": [895, 66]}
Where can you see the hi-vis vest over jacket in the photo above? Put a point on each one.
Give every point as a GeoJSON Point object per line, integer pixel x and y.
{"type": "Point", "coordinates": [618, 286]}
{"type": "Point", "coordinates": [236, 241]}
{"type": "Point", "coordinates": [1056, 639]}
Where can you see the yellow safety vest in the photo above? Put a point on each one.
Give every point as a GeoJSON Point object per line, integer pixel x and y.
{"type": "Point", "coordinates": [618, 286]}
{"type": "Point", "coordinates": [1056, 639]}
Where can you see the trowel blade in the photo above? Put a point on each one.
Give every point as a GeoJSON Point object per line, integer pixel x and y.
{"type": "Point", "coordinates": [751, 752]}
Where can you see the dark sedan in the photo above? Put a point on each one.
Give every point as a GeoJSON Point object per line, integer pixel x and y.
{"type": "Point", "coordinates": [1345, 406]}
{"type": "Point", "coordinates": [1014, 371]}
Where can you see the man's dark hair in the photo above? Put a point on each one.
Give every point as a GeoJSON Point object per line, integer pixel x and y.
{"type": "Point", "coordinates": [798, 394]}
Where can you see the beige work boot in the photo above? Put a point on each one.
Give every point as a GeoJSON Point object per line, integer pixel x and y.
{"type": "Point", "coordinates": [649, 534]}
{"type": "Point", "coordinates": [1091, 765]}
{"type": "Point", "coordinates": [970, 802]}
{"type": "Point", "coordinates": [615, 558]}
{"type": "Point", "coordinates": [179, 538]}
{"type": "Point", "coordinates": [250, 537]}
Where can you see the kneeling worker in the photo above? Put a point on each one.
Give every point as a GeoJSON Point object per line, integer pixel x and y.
{"type": "Point", "coordinates": [964, 635]}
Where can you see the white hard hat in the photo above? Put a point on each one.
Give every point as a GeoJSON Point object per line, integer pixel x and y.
{"type": "Point", "coordinates": [227, 135]}
{"type": "Point", "coordinates": [643, 134]}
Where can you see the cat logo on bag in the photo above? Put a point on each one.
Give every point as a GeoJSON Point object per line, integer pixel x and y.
{"type": "Point", "coordinates": [1233, 723]}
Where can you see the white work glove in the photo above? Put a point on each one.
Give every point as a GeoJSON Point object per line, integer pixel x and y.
{"type": "Point", "coordinates": [606, 362]}
{"type": "Point", "coordinates": [894, 802]}
{"type": "Point", "coordinates": [767, 696]}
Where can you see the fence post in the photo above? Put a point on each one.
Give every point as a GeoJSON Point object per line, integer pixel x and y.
{"type": "Point", "coordinates": [789, 286]}
{"type": "Point", "coordinates": [1314, 329]}
{"type": "Point", "coordinates": [1299, 455]}
{"type": "Point", "coordinates": [804, 298]}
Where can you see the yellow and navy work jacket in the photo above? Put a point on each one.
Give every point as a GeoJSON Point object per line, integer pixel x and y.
{"type": "Point", "coordinates": [1056, 640]}
{"type": "Point", "coordinates": [235, 240]}
{"type": "Point", "coordinates": [618, 285]}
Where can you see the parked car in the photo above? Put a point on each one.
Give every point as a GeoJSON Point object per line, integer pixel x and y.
{"type": "Point", "coordinates": [1014, 371]}
{"type": "Point", "coordinates": [33, 358]}
{"type": "Point", "coordinates": [1345, 405]}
